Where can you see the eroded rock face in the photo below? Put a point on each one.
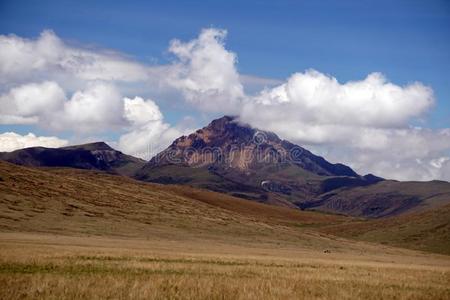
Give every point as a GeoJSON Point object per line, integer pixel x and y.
{"type": "Point", "coordinates": [227, 143]}
{"type": "Point", "coordinates": [231, 157]}
{"type": "Point", "coordinates": [234, 158]}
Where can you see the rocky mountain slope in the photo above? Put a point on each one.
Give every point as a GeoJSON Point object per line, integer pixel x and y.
{"type": "Point", "coordinates": [235, 159]}
{"type": "Point", "coordinates": [228, 144]}
{"type": "Point", "coordinates": [98, 156]}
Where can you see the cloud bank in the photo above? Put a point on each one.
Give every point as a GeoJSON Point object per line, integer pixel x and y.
{"type": "Point", "coordinates": [10, 141]}
{"type": "Point", "coordinates": [26, 59]}
{"type": "Point", "coordinates": [365, 123]}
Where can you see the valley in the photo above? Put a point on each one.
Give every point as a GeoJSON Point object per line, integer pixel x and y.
{"type": "Point", "coordinates": [74, 233]}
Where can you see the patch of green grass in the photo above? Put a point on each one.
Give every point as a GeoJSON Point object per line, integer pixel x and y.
{"type": "Point", "coordinates": [76, 269]}
{"type": "Point", "coordinates": [161, 260]}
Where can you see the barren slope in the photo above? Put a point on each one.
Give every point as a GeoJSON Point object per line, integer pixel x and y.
{"type": "Point", "coordinates": [71, 201]}
{"type": "Point", "coordinates": [85, 202]}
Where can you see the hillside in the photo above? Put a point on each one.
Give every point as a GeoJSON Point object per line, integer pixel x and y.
{"type": "Point", "coordinates": [72, 201]}
{"type": "Point", "coordinates": [97, 156]}
{"type": "Point", "coordinates": [425, 230]}
{"type": "Point", "coordinates": [386, 198]}
{"type": "Point", "coordinates": [74, 233]}
{"type": "Point", "coordinates": [230, 157]}
{"type": "Point", "coordinates": [233, 158]}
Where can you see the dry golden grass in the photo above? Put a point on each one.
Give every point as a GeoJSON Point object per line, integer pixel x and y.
{"type": "Point", "coordinates": [68, 233]}
{"type": "Point", "coordinates": [73, 201]}
{"type": "Point", "coordinates": [57, 267]}
{"type": "Point", "coordinates": [427, 230]}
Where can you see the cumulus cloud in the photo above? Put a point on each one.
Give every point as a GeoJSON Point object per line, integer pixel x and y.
{"type": "Point", "coordinates": [205, 72]}
{"type": "Point", "coordinates": [364, 123]}
{"type": "Point", "coordinates": [139, 111]}
{"type": "Point", "coordinates": [403, 154]}
{"type": "Point", "coordinates": [148, 140]}
{"type": "Point", "coordinates": [29, 103]}
{"type": "Point", "coordinates": [98, 108]}
{"type": "Point", "coordinates": [322, 103]}
{"type": "Point", "coordinates": [10, 141]}
{"type": "Point", "coordinates": [148, 133]}
{"type": "Point", "coordinates": [48, 55]}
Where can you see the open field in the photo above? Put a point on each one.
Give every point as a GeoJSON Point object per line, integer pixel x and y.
{"type": "Point", "coordinates": [36, 266]}
{"type": "Point", "coordinates": [67, 233]}
{"type": "Point", "coordinates": [427, 230]}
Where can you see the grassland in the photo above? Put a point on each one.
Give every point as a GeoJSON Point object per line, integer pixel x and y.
{"type": "Point", "coordinates": [426, 231]}
{"type": "Point", "coordinates": [68, 233]}
{"type": "Point", "coordinates": [56, 267]}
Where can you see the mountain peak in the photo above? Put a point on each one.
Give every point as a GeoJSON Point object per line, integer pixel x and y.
{"type": "Point", "coordinates": [91, 146]}
{"type": "Point", "coordinates": [223, 122]}
{"type": "Point", "coordinates": [230, 145]}
{"type": "Point", "coordinates": [232, 157]}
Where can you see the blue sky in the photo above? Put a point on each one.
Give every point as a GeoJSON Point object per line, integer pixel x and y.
{"type": "Point", "coordinates": [406, 40]}
{"type": "Point", "coordinates": [90, 42]}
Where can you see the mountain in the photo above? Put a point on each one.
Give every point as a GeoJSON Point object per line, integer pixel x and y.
{"type": "Point", "coordinates": [225, 143]}
{"type": "Point", "coordinates": [231, 157]}
{"type": "Point", "coordinates": [98, 156]}
{"type": "Point", "coordinates": [386, 198]}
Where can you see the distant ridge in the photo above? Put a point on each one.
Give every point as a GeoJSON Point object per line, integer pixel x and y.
{"type": "Point", "coordinates": [235, 159]}
{"type": "Point", "coordinates": [231, 157]}
{"type": "Point", "coordinates": [98, 156]}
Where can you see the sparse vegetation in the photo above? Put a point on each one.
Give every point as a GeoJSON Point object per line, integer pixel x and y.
{"type": "Point", "coordinates": [75, 267]}
{"type": "Point", "coordinates": [69, 233]}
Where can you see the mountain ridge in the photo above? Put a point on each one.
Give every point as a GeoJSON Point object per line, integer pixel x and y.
{"type": "Point", "coordinates": [97, 155]}
{"type": "Point", "coordinates": [232, 158]}
{"type": "Point", "coordinates": [227, 132]}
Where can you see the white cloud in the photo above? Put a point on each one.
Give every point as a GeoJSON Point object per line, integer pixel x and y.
{"type": "Point", "coordinates": [10, 141]}
{"type": "Point", "coordinates": [315, 98]}
{"type": "Point", "coordinates": [205, 72]}
{"type": "Point", "coordinates": [403, 154]}
{"type": "Point", "coordinates": [98, 108]}
{"type": "Point", "coordinates": [148, 140]}
{"type": "Point", "coordinates": [49, 56]}
{"type": "Point", "coordinates": [28, 103]}
{"type": "Point", "coordinates": [139, 111]}
{"type": "Point", "coordinates": [148, 133]}
{"type": "Point", "coordinates": [364, 123]}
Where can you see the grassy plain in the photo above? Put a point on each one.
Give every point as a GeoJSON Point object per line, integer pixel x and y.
{"type": "Point", "coordinates": [68, 234]}
{"type": "Point", "coordinates": [36, 266]}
